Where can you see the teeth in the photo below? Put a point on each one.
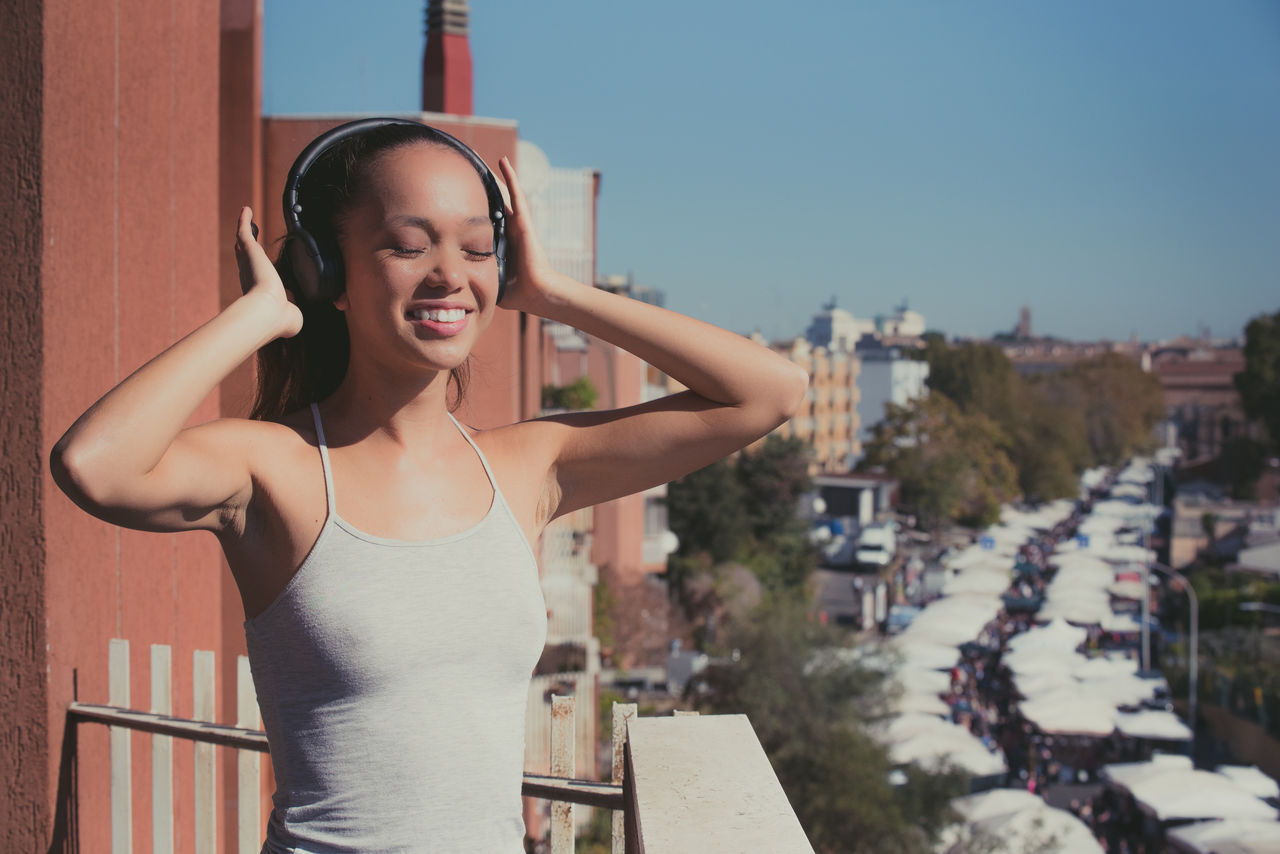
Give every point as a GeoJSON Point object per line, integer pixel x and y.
{"type": "Point", "coordinates": [439, 315]}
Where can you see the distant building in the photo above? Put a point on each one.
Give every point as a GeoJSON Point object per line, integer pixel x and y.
{"type": "Point", "coordinates": [827, 420]}
{"type": "Point", "coordinates": [627, 287]}
{"type": "Point", "coordinates": [1200, 396]}
{"type": "Point", "coordinates": [1023, 330]}
{"type": "Point", "coordinates": [836, 329]}
{"type": "Point", "coordinates": [902, 323]}
{"type": "Point", "coordinates": [887, 377]}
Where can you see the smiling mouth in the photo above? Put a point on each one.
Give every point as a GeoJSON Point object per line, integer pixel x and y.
{"type": "Point", "coordinates": [438, 315]}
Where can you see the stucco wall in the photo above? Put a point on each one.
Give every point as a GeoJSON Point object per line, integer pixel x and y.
{"type": "Point", "coordinates": [24, 749]}
{"type": "Point", "coordinates": [129, 263]}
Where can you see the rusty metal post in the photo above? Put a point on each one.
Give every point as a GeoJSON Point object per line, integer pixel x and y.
{"type": "Point", "coordinates": [562, 765]}
{"type": "Point", "coordinates": [622, 713]}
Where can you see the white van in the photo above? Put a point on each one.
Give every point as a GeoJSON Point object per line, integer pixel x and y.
{"type": "Point", "coordinates": [876, 545]}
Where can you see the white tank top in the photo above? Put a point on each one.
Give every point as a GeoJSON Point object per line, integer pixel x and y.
{"type": "Point", "coordinates": [393, 679]}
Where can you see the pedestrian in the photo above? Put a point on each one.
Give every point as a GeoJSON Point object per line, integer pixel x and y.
{"type": "Point", "coordinates": [384, 551]}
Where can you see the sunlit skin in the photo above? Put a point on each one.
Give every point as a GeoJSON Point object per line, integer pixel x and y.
{"type": "Point", "coordinates": [417, 237]}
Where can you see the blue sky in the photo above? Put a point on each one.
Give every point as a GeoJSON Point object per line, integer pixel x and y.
{"type": "Point", "coordinates": [1114, 165]}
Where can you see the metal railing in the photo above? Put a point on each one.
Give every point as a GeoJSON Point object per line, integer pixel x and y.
{"type": "Point", "coordinates": [676, 783]}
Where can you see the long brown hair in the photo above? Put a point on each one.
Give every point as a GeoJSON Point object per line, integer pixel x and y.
{"type": "Point", "coordinates": [307, 368]}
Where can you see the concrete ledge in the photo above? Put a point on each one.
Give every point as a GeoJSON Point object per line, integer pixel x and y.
{"type": "Point", "coordinates": [704, 783]}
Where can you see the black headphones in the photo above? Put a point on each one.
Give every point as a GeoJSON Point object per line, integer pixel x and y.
{"type": "Point", "coordinates": [317, 265]}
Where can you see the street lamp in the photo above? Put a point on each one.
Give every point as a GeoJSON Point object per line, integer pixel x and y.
{"type": "Point", "coordinates": [1194, 663]}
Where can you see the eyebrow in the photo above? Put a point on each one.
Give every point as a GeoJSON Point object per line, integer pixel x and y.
{"type": "Point", "coordinates": [426, 224]}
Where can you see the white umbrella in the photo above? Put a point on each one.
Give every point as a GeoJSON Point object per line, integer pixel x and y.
{"type": "Point", "coordinates": [1025, 662]}
{"type": "Point", "coordinates": [1250, 778]}
{"type": "Point", "coordinates": [1233, 836]}
{"type": "Point", "coordinates": [924, 654]}
{"type": "Point", "coordinates": [1197, 795]}
{"type": "Point", "coordinates": [917, 681]}
{"type": "Point", "coordinates": [1068, 713]}
{"type": "Point", "coordinates": [948, 744]}
{"type": "Point", "coordinates": [977, 580]}
{"type": "Point", "coordinates": [1151, 723]}
{"type": "Point", "coordinates": [1058, 634]}
{"type": "Point", "coordinates": [922, 704]}
{"type": "Point", "coordinates": [1127, 590]}
{"type": "Point", "coordinates": [994, 803]}
{"type": "Point", "coordinates": [1041, 828]}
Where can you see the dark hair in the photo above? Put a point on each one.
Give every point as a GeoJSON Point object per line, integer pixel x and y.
{"type": "Point", "coordinates": [307, 368]}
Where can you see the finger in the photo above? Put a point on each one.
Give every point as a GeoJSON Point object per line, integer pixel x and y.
{"type": "Point", "coordinates": [516, 197]}
{"type": "Point", "coordinates": [502, 188]}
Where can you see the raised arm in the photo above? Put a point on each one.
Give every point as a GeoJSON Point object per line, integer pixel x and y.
{"type": "Point", "coordinates": [128, 460]}
{"type": "Point", "coordinates": [738, 390]}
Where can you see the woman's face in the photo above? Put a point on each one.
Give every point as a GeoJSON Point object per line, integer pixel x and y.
{"type": "Point", "coordinates": [417, 246]}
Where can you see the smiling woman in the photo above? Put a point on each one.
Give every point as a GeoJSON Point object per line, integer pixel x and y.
{"type": "Point", "coordinates": [382, 549]}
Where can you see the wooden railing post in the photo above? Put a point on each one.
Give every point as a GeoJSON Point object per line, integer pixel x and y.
{"type": "Point", "coordinates": [121, 755]}
{"type": "Point", "coordinates": [161, 752]}
{"type": "Point", "coordinates": [563, 736]}
{"type": "Point", "coordinates": [206, 782]}
{"type": "Point", "coordinates": [248, 768]}
{"type": "Point", "coordinates": [622, 714]}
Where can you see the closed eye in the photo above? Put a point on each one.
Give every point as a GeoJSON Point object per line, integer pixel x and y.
{"type": "Point", "coordinates": [406, 251]}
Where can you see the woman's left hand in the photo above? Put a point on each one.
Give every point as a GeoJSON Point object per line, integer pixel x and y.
{"type": "Point", "coordinates": [530, 276]}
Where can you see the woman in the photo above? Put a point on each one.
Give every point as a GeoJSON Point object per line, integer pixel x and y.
{"type": "Point", "coordinates": [381, 549]}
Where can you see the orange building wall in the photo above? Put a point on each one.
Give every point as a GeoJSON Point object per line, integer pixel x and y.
{"type": "Point", "coordinates": [618, 542]}
{"type": "Point", "coordinates": [127, 195]}
{"type": "Point", "coordinates": [25, 750]}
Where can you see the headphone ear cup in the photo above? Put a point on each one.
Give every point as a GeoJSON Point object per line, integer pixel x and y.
{"type": "Point", "coordinates": [304, 259]}
{"type": "Point", "coordinates": [317, 268]}
{"type": "Point", "coordinates": [500, 251]}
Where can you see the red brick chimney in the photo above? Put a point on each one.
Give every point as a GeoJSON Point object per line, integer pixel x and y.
{"type": "Point", "coordinates": [446, 63]}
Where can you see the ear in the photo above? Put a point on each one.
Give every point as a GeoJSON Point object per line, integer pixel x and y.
{"type": "Point", "coordinates": [342, 303]}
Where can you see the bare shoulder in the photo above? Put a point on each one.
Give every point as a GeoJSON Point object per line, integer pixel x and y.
{"type": "Point", "coordinates": [523, 457]}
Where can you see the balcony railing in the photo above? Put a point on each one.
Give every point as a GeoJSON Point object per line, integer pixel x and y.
{"type": "Point", "coordinates": [682, 783]}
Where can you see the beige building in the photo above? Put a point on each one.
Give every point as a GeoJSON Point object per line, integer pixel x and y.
{"type": "Point", "coordinates": [828, 418]}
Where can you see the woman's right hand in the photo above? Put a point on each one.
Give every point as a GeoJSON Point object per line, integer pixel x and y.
{"type": "Point", "coordinates": [259, 279]}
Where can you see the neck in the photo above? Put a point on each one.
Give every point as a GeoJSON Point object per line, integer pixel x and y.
{"type": "Point", "coordinates": [374, 402]}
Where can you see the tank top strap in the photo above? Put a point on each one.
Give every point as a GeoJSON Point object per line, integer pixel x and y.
{"type": "Point", "coordinates": [484, 461]}
{"type": "Point", "coordinates": [324, 462]}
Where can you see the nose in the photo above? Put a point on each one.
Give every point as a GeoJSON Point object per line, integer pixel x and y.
{"type": "Point", "coordinates": [449, 270]}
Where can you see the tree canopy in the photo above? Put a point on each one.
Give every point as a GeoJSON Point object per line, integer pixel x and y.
{"type": "Point", "coordinates": [1259, 382]}
{"type": "Point", "coordinates": [810, 710]}
{"type": "Point", "coordinates": [745, 511]}
{"type": "Point", "coordinates": [1099, 410]}
{"type": "Point", "coordinates": [950, 466]}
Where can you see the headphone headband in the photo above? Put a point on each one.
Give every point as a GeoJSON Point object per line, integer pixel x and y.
{"type": "Point", "coordinates": [316, 262]}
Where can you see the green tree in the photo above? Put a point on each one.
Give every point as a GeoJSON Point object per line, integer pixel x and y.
{"type": "Point", "coordinates": [950, 466]}
{"type": "Point", "coordinates": [978, 378]}
{"type": "Point", "coordinates": [577, 395]}
{"type": "Point", "coordinates": [1259, 382]}
{"type": "Point", "coordinates": [1241, 463]}
{"type": "Point", "coordinates": [773, 477]}
{"type": "Point", "coordinates": [810, 710]}
{"type": "Point", "coordinates": [706, 511]}
{"type": "Point", "coordinates": [1048, 446]}
{"type": "Point", "coordinates": [1120, 402]}
{"type": "Point", "coordinates": [744, 511]}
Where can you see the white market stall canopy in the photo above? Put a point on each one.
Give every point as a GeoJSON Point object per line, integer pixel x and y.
{"type": "Point", "coordinates": [1015, 820]}
{"type": "Point", "coordinates": [1058, 634]}
{"type": "Point", "coordinates": [1227, 837]}
{"type": "Point", "coordinates": [1152, 723]}
{"type": "Point", "coordinates": [1168, 788]}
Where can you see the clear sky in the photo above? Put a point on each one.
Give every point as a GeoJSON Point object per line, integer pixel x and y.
{"type": "Point", "coordinates": [1114, 164]}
